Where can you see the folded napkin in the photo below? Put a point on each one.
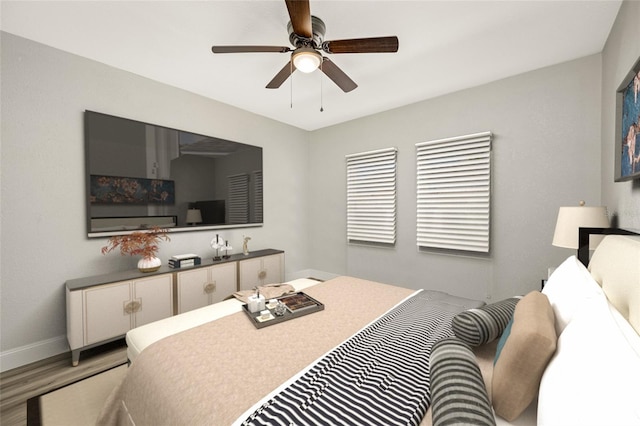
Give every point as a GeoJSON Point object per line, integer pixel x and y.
{"type": "Point", "coordinates": [269, 291]}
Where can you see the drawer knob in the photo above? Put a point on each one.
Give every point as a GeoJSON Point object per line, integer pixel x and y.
{"type": "Point", "coordinates": [132, 307]}
{"type": "Point", "coordinates": [210, 288]}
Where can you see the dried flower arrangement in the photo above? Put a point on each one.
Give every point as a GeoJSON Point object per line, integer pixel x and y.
{"type": "Point", "coordinates": [138, 243]}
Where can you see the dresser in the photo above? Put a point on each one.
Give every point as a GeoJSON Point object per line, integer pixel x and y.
{"type": "Point", "coordinates": [104, 308]}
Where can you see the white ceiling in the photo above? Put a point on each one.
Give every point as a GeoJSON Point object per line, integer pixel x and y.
{"type": "Point", "coordinates": [445, 46]}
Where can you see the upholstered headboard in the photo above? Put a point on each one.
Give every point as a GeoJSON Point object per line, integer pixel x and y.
{"type": "Point", "coordinates": [615, 265]}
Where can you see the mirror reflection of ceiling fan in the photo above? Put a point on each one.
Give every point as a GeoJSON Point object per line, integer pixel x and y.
{"type": "Point", "coordinates": [306, 34]}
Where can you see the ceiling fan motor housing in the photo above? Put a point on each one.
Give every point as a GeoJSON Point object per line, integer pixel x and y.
{"type": "Point", "coordinates": [318, 29]}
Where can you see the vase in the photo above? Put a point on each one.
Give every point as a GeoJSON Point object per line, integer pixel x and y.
{"type": "Point", "coordinates": [149, 264]}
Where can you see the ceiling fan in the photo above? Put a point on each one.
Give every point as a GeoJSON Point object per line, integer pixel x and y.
{"type": "Point", "coordinates": [306, 34]}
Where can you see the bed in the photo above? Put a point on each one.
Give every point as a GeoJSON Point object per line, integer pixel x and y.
{"type": "Point", "coordinates": [214, 372]}
{"type": "Point", "coordinates": [212, 366]}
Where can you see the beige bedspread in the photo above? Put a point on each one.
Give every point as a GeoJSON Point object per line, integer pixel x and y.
{"type": "Point", "coordinates": [212, 374]}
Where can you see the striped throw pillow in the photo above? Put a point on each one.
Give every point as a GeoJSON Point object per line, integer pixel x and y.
{"type": "Point", "coordinates": [482, 325]}
{"type": "Point", "coordinates": [458, 393]}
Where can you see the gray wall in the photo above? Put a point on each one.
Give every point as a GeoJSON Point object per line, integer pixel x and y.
{"type": "Point", "coordinates": [546, 154]}
{"type": "Point", "coordinates": [620, 53]}
{"type": "Point", "coordinates": [44, 93]}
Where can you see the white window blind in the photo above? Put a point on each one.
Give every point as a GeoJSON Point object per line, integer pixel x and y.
{"type": "Point", "coordinates": [371, 196]}
{"type": "Point", "coordinates": [238, 205]}
{"type": "Point", "coordinates": [454, 187]}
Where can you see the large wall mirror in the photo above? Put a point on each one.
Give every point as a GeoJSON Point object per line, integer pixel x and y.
{"type": "Point", "coordinates": [141, 175]}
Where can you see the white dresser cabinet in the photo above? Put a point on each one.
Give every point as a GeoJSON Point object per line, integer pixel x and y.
{"type": "Point", "coordinates": [200, 287]}
{"type": "Point", "coordinates": [261, 270]}
{"type": "Point", "coordinates": [105, 312]}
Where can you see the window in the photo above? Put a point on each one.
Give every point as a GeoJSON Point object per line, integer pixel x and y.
{"type": "Point", "coordinates": [371, 197]}
{"type": "Point", "coordinates": [453, 190]}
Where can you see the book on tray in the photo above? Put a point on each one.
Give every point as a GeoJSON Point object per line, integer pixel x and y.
{"type": "Point", "coordinates": [298, 302]}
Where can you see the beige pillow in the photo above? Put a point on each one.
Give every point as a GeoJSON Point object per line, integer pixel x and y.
{"type": "Point", "coordinates": [524, 357]}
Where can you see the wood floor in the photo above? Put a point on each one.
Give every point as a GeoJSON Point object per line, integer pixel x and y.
{"type": "Point", "coordinates": [20, 384]}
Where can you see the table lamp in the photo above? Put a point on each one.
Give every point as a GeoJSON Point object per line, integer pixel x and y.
{"type": "Point", "coordinates": [194, 216]}
{"type": "Point", "coordinates": [570, 219]}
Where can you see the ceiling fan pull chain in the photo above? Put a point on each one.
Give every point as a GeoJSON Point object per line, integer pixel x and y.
{"type": "Point", "coordinates": [291, 84]}
{"type": "Point", "coordinates": [321, 100]}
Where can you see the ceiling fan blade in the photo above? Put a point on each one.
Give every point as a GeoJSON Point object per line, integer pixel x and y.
{"type": "Point", "coordinates": [282, 76]}
{"type": "Point", "coordinates": [249, 49]}
{"type": "Point", "coordinates": [337, 75]}
{"type": "Point", "coordinates": [362, 45]}
{"type": "Point", "coordinates": [300, 15]}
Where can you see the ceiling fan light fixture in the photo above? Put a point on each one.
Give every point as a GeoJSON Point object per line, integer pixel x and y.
{"type": "Point", "coordinates": [306, 59]}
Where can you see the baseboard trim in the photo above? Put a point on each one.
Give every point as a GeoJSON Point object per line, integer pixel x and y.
{"type": "Point", "coordinates": [14, 358]}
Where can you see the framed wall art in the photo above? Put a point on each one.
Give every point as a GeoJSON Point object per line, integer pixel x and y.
{"type": "Point", "coordinates": [627, 153]}
{"type": "Point", "coordinates": [130, 190]}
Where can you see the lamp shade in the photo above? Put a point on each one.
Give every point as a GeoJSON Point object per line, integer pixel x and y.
{"type": "Point", "coordinates": [306, 59]}
{"type": "Point", "coordinates": [570, 219]}
{"type": "Point", "coordinates": [194, 216]}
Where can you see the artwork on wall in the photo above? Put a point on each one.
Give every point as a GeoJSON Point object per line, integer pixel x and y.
{"type": "Point", "coordinates": [128, 190]}
{"type": "Point", "coordinates": [628, 127]}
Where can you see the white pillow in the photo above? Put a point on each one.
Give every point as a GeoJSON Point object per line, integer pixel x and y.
{"type": "Point", "coordinates": [567, 289]}
{"type": "Point", "coordinates": [593, 377]}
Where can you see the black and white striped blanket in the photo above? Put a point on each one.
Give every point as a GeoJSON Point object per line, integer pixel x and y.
{"type": "Point", "coordinates": [380, 376]}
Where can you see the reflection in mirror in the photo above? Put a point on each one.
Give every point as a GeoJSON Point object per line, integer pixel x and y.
{"type": "Point", "coordinates": [142, 175]}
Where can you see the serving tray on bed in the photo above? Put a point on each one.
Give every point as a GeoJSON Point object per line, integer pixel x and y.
{"type": "Point", "coordinates": [298, 304]}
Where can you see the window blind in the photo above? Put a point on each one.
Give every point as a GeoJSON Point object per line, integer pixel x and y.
{"type": "Point", "coordinates": [371, 196]}
{"type": "Point", "coordinates": [238, 208]}
{"type": "Point", "coordinates": [453, 193]}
